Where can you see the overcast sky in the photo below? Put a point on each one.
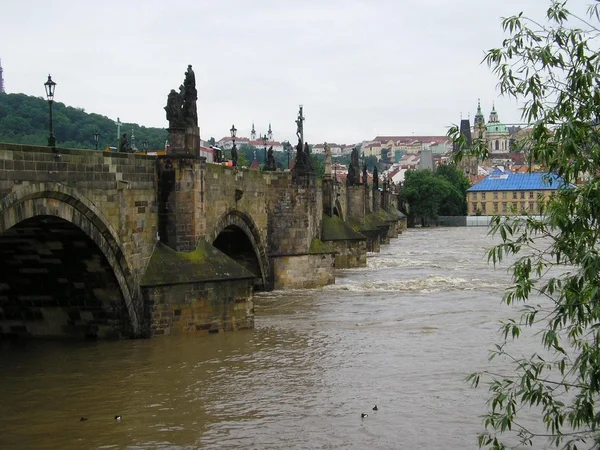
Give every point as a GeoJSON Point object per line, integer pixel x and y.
{"type": "Point", "coordinates": [361, 68]}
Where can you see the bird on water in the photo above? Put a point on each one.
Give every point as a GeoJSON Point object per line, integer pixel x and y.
{"type": "Point", "coordinates": [83, 419]}
{"type": "Point", "coordinates": [375, 408]}
{"type": "Point", "coordinates": [363, 415]}
{"type": "Point", "coordinates": [118, 418]}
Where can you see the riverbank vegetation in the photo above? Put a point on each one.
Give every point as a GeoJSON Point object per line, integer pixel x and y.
{"type": "Point", "coordinates": [426, 195]}
{"type": "Point", "coordinates": [552, 68]}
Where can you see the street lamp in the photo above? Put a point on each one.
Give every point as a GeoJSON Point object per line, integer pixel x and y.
{"type": "Point", "coordinates": [145, 144]}
{"type": "Point", "coordinates": [96, 136]}
{"type": "Point", "coordinates": [265, 140]}
{"type": "Point", "coordinates": [233, 131]}
{"type": "Point", "coordinates": [50, 87]}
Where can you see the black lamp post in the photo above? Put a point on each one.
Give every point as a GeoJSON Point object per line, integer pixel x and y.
{"type": "Point", "coordinates": [265, 140]}
{"type": "Point", "coordinates": [50, 87]}
{"type": "Point", "coordinates": [233, 131]}
{"type": "Point", "coordinates": [145, 144]}
{"type": "Point", "coordinates": [96, 136]}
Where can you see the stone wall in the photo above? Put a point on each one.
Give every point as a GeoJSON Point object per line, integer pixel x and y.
{"type": "Point", "coordinates": [355, 203]}
{"type": "Point", "coordinates": [180, 206]}
{"type": "Point", "coordinates": [303, 272]}
{"type": "Point", "coordinates": [294, 220]}
{"type": "Point", "coordinates": [201, 307]}
{"type": "Point", "coordinates": [350, 254]}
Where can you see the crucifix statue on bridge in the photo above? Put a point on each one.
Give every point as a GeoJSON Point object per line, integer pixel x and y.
{"type": "Point", "coordinates": [118, 122]}
{"type": "Point", "coordinates": [300, 127]}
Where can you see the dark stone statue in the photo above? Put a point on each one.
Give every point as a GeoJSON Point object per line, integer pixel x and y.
{"type": "Point", "coordinates": [190, 96]}
{"type": "Point", "coordinates": [353, 178]}
{"type": "Point", "coordinates": [234, 155]}
{"type": "Point", "coordinates": [300, 160]}
{"type": "Point", "coordinates": [124, 145]}
{"type": "Point", "coordinates": [174, 110]}
{"type": "Point", "coordinates": [181, 106]}
{"type": "Point", "coordinates": [365, 176]}
{"type": "Point", "coordinates": [375, 178]}
{"type": "Point", "coordinates": [270, 166]}
{"type": "Point", "coordinates": [308, 160]}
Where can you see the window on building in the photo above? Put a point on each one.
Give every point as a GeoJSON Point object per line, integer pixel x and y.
{"type": "Point", "coordinates": [523, 195]}
{"type": "Point", "coordinates": [495, 196]}
{"type": "Point", "coordinates": [532, 195]}
{"type": "Point", "coordinates": [483, 208]}
{"type": "Point", "coordinates": [514, 195]}
{"type": "Point", "coordinates": [531, 208]}
{"type": "Point", "coordinates": [523, 206]}
{"type": "Point", "coordinates": [495, 207]}
{"type": "Point", "coordinates": [483, 196]}
{"type": "Point", "coordinates": [504, 195]}
{"type": "Point", "coordinates": [474, 208]}
{"type": "Point", "coordinates": [497, 144]}
{"type": "Point", "coordinates": [474, 195]}
{"type": "Point", "coordinates": [514, 206]}
{"type": "Point", "coordinates": [504, 207]}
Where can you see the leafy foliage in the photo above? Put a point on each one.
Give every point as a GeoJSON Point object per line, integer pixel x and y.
{"type": "Point", "coordinates": [553, 67]}
{"type": "Point", "coordinates": [25, 120]}
{"type": "Point", "coordinates": [431, 194]}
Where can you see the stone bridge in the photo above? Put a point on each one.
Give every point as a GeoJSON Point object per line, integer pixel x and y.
{"type": "Point", "coordinates": [98, 244]}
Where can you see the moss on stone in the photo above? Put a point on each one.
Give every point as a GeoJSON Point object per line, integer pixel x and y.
{"type": "Point", "coordinates": [206, 263]}
{"type": "Point", "coordinates": [361, 226]}
{"type": "Point", "coordinates": [399, 214]}
{"type": "Point", "coordinates": [317, 246]}
{"type": "Point", "coordinates": [377, 219]}
{"type": "Point", "coordinates": [335, 229]}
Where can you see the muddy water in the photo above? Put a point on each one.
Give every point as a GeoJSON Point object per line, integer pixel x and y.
{"type": "Point", "coordinates": [401, 334]}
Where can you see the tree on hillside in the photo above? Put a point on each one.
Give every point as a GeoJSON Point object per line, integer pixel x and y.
{"type": "Point", "coordinates": [24, 120]}
{"type": "Point", "coordinates": [551, 397]}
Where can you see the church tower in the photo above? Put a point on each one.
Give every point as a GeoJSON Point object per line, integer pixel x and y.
{"type": "Point", "coordinates": [494, 115]}
{"type": "Point", "coordinates": [270, 133]}
{"type": "Point", "coordinates": [253, 133]}
{"type": "Point", "coordinates": [479, 122]}
{"type": "Point", "coordinates": [1, 79]}
{"type": "Point", "coordinates": [496, 134]}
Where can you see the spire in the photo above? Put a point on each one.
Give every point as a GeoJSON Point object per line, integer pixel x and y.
{"type": "Point", "coordinates": [494, 115]}
{"type": "Point", "coordinates": [479, 119]}
{"type": "Point", "coordinates": [270, 133]}
{"type": "Point", "coordinates": [253, 133]}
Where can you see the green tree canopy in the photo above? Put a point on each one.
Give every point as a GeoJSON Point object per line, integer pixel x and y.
{"type": "Point", "coordinates": [431, 194]}
{"type": "Point", "coordinates": [553, 68]}
{"type": "Point", "coordinates": [455, 204]}
{"type": "Point", "coordinates": [424, 193]}
{"type": "Point", "coordinates": [25, 120]}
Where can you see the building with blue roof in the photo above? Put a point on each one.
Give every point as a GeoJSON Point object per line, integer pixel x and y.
{"type": "Point", "coordinates": [508, 193]}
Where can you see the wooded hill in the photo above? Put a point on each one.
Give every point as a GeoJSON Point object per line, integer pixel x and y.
{"type": "Point", "coordinates": [24, 120]}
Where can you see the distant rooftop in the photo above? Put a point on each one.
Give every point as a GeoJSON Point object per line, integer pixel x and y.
{"type": "Point", "coordinates": [506, 181]}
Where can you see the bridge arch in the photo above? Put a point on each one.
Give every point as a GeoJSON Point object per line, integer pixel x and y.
{"type": "Point", "coordinates": [235, 234]}
{"type": "Point", "coordinates": [63, 203]}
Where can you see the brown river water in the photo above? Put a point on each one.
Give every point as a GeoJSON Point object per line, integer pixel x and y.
{"type": "Point", "coordinates": [401, 334]}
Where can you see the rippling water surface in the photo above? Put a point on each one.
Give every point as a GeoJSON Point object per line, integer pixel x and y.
{"type": "Point", "coordinates": [401, 334]}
